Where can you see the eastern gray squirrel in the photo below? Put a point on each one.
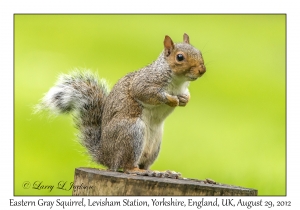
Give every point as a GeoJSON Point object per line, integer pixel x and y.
{"type": "Point", "coordinates": [122, 129]}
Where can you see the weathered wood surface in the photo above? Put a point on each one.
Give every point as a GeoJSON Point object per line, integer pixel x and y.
{"type": "Point", "coordinates": [89, 181]}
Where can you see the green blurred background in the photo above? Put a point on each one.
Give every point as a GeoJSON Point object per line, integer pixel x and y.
{"type": "Point", "coordinates": [233, 130]}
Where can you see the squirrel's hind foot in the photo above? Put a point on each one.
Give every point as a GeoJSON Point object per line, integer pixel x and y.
{"type": "Point", "coordinates": [137, 171]}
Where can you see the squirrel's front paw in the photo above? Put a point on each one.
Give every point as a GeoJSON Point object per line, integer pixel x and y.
{"type": "Point", "coordinates": [172, 100]}
{"type": "Point", "coordinates": [183, 99]}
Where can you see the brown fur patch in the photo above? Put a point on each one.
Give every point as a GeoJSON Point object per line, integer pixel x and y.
{"type": "Point", "coordinates": [192, 66]}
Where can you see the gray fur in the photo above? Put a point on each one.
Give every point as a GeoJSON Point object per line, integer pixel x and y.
{"type": "Point", "coordinates": [84, 94]}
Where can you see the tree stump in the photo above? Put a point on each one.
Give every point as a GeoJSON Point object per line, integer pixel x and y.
{"type": "Point", "coordinates": [89, 182]}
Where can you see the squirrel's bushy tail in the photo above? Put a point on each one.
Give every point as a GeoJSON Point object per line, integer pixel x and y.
{"type": "Point", "coordinates": [83, 94]}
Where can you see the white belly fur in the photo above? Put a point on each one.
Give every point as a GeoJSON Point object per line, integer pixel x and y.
{"type": "Point", "coordinates": [153, 117]}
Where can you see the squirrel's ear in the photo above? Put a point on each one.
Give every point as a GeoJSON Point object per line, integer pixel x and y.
{"type": "Point", "coordinates": [169, 45]}
{"type": "Point", "coordinates": [186, 38]}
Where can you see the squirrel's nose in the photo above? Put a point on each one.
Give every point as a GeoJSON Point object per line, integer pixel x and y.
{"type": "Point", "coordinates": [202, 69]}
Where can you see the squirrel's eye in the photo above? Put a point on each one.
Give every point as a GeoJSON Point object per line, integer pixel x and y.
{"type": "Point", "coordinates": [179, 57]}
